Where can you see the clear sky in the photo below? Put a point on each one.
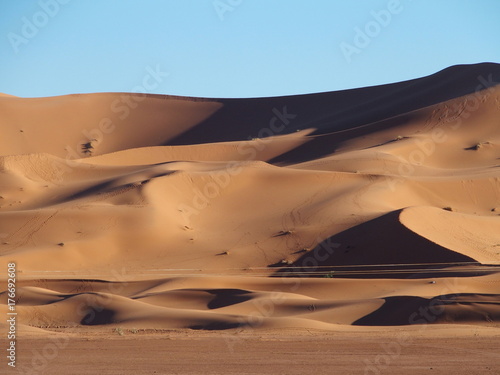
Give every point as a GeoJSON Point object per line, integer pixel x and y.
{"type": "Point", "coordinates": [236, 48]}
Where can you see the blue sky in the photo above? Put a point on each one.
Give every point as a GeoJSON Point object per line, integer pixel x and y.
{"type": "Point", "coordinates": [236, 48]}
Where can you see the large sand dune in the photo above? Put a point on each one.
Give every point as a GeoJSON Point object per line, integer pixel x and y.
{"type": "Point", "coordinates": [369, 207]}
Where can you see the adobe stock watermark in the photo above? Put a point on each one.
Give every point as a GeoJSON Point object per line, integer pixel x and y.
{"type": "Point", "coordinates": [265, 308]}
{"type": "Point", "coordinates": [31, 26]}
{"type": "Point", "coordinates": [422, 317]}
{"type": "Point", "coordinates": [221, 7]}
{"type": "Point", "coordinates": [220, 180]}
{"type": "Point", "coordinates": [122, 107]}
{"type": "Point", "coordinates": [87, 313]}
{"type": "Point", "coordinates": [363, 36]}
{"type": "Point", "coordinates": [452, 121]}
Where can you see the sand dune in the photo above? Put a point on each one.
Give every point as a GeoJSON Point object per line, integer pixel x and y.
{"type": "Point", "coordinates": [255, 302]}
{"type": "Point", "coordinates": [366, 207]}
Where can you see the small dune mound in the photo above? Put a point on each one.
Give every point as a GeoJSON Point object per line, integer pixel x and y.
{"type": "Point", "coordinates": [450, 309]}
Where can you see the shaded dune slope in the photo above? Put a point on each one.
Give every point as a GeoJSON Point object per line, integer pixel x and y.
{"type": "Point", "coordinates": [340, 110]}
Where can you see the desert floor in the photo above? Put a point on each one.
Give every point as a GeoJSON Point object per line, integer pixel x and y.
{"type": "Point", "coordinates": [429, 350]}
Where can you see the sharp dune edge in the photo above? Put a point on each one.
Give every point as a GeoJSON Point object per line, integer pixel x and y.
{"type": "Point", "coordinates": [366, 207]}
